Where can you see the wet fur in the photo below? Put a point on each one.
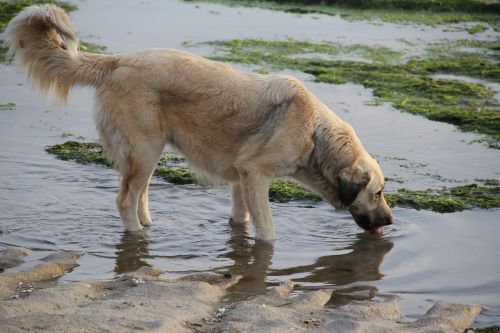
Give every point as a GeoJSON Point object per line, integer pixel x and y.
{"type": "Point", "coordinates": [236, 127]}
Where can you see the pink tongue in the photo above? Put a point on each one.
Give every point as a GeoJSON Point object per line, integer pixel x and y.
{"type": "Point", "coordinates": [376, 231]}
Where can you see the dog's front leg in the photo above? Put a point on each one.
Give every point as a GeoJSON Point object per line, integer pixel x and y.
{"type": "Point", "coordinates": [239, 211]}
{"type": "Point", "coordinates": [143, 207]}
{"type": "Point", "coordinates": [255, 188]}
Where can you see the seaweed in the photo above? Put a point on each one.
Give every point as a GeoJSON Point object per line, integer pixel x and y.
{"type": "Point", "coordinates": [92, 48]}
{"type": "Point", "coordinates": [282, 190]}
{"type": "Point", "coordinates": [447, 200]}
{"type": "Point", "coordinates": [8, 106]}
{"type": "Point", "coordinates": [80, 152]}
{"type": "Point", "coordinates": [489, 329]}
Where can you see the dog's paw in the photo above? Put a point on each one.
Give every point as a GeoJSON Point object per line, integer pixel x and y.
{"type": "Point", "coordinates": [146, 222]}
{"type": "Point", "coordinates": [240, 216]}
{"type": "Point", "coordinates": [237, 221]}
{"type": "Point", "coordinates": [144, 217]}
{"type": "Point", "coordinates": [136, 227]}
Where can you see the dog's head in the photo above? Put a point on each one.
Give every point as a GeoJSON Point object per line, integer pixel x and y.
{"type": "Point", "coordinates": [360, 190]}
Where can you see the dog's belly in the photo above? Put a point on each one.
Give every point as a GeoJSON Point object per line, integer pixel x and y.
{"type": "Point", "coordinates": [212, 164]}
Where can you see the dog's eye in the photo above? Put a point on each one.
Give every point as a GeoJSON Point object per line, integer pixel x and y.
{"type": "Point", "coordinates": [378, 194]}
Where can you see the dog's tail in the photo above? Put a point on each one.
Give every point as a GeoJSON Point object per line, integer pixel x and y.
{"type": "Point", "coordinates": [43, 40]}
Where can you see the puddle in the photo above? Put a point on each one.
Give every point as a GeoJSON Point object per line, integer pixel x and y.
{"type": "Point", "coordinates": [49, 205]}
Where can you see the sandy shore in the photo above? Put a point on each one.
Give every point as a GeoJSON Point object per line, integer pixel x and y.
{"type": "Point", "coordinates": [144, 301]}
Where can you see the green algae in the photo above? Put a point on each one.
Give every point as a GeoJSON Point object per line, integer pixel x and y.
{"type": "Point", "coordinates": [489, 329]}
{"type": "Point", "coordinates": [276, 52]}
{"type": "Point", "coordinates": [427, 200]}
{"type": "Point", "coordinates": [282, 190]}
{"type": "Point", "coordinates": [176, 175]}
{"type": "Point", "coordinates": [290, 47]}
{"type": "Point", "coordinates": [409, 86]}
{"type": "Point", "coordinates": [413, 165]}
{"type": "Point", "coordinates": [477, 196]}
{"type": "Point", "coordinates": [447, 200]}
{"type": "Point", "coordinates": [175, 170]}
{"type": "Point", "coordinates": [476, 29]}
{"type": "Point", "coordinates": [469, 48]}
{"type": "Point", "coordinates": [92, 48]}
{"type": "Point", "coordinates": [80, 152]}
{"type": "Point", "coordinates": [8, 106]}
{"type": "Point", "coordinates": [421, 12]}
{"type": "Point", "coordinates": [3, 52]}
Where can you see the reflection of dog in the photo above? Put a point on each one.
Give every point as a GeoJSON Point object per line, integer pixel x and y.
{"type": "Point", "coordinates": [359, 262]}
{"type": "Point", "coordinates": [251, 261]}
{"type": "Point", "coordinates": [132, 252]}
{"type": "Point", "coordinates": [242, 128]}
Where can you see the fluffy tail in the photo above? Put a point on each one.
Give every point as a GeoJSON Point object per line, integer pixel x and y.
{"type": "Point", "coordinates": [43, 40]}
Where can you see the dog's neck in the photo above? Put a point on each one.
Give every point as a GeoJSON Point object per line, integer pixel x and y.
{"type": "Point", "coordinates": [336, 147]}
{"type": "Point", "coordinates": [313, 178]}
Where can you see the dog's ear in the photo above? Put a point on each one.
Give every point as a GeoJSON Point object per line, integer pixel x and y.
{"type": "Point", "coordinates": [351, 181]}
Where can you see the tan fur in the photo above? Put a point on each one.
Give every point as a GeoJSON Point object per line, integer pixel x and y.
{"type": "Point", "coordinates": [238, 127]}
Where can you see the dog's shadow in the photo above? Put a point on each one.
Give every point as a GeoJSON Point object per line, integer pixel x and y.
{"type": "Point", "coordinates": [349, 272]}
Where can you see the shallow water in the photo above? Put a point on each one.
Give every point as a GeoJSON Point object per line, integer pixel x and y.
{"type": "Point", "coordinates": [49, 205]}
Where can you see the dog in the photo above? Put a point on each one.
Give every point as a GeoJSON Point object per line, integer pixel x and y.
{"type": "Point", "coordinates": [241, 128]}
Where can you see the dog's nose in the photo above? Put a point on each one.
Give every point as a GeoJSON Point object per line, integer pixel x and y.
{"type": "Point", "coordinates": [387, 220]}
{"type": "Point", "coordinates": [382, 223]}
{"type": "Point", "coordinates": [388, 217]}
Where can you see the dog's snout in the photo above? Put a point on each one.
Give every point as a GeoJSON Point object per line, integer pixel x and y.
{"type": "Point", "coordinates": [368, 222]}
{"type": "Point", "coordinates": [388, 220]}
{"type": "Point", "coordinates": [386, 215]}
{"type": "Point", "coordinates": [383, 221]}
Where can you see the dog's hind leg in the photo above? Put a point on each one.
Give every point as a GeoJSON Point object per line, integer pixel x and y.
{"type": "Point", "coordinates": [136, 171]}
{"type": "Point", "coordinates": [255, 188]}
{"type": "Point", "coordinates": [239, 211]}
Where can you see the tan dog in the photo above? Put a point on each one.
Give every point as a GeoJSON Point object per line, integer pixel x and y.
{"type": "Point", "coordinates": [238, 127]}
